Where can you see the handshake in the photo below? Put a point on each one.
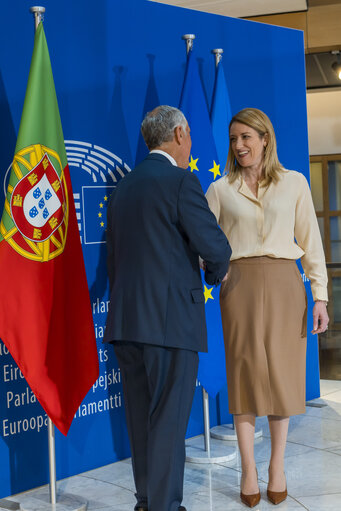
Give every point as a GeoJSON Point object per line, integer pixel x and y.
{"type": "Point", "coordinates": [202, 265]}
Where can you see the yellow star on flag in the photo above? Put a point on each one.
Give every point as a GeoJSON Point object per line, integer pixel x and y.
{"type": "Point", "coordinates": [215, 170]}
{"type": "Point", "coordinates": [102, 224]}
{"type": "Point", "coordinates": [193, 164]}
{"type": "Point", "coordinates": [101, 205]}
{"type": "Point", "coordinates": [105, 198]}
{"type": "Point", "coordinates": [208, 293]}
{"type": "Point", "coordinates": [100, 215]}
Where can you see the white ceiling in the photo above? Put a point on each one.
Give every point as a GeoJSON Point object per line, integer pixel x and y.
{"type": "Point", "coordinates": [240, 8]}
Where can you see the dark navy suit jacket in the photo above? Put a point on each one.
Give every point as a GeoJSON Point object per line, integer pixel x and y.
{"type": "Point", "coordinates": [159, 223]}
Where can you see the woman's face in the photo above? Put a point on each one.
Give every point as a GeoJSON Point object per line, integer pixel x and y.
{"type": "Point", "coordinates": [247, 145]}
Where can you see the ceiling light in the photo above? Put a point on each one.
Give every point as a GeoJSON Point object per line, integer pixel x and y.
{"type": "Point", "coordinates": [336, 66]}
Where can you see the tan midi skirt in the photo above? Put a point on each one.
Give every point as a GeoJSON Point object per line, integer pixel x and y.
{"type": "Point", "coordinates": [263, 308]}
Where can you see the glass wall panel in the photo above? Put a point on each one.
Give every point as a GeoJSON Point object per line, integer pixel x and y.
{"type": "Point", "coordinates": [334, 185]}
{"type": "Point", "coordinates": [316, 185]}
{"type": "Point", "coordinates": [336, 286]}
{"type": "Point", "coordinates": [335, 239]}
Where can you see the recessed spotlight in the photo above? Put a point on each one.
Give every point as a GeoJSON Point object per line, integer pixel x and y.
{"type": "Point", "coordinates": [336, 66]}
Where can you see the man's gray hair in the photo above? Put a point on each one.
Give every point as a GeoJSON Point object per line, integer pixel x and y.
{"type": "Point", "coordinates": [158, 125]}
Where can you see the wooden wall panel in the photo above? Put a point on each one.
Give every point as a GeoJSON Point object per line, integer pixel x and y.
{"type": "Point", "coordinates": [324, 27]}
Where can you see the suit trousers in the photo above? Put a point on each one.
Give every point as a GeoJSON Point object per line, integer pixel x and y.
{"type": "Point", "coordinates": [158, 387]}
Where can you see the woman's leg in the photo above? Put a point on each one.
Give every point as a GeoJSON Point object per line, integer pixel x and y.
{"type": "Point", "coordinates": [245, 427]}
{"type": "Point", "coordinates": [279, 431]}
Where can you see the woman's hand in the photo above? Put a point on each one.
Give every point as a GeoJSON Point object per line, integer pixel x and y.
{"type": "Point", "coordinates": [320, 317]}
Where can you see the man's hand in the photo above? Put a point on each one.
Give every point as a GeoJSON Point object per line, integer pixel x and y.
{"type": "Point", "coordinates": [320, 317]}
{"type": "Point", "coordinates": [202, 264]}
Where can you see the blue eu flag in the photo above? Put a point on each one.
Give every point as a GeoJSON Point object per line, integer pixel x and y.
{"type": "Point", "coordinates": [95, 201]}
{"type": "Point", "coordinates": [204, 163]}
{"type": "Point", "coordinates": [221, 115]}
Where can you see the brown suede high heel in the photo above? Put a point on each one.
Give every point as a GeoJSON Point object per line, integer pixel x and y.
{"type": "Point", "coordinates": [250, 500]}
{"type": "Point", "coordinates": [276, 497]}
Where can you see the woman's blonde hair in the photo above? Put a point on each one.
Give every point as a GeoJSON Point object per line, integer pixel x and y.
{"type": "Point", "coordinates": [260, 122]}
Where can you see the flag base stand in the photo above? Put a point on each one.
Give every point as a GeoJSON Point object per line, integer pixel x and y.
{"type": "Point", "coordinates": [201, 449]}
{"type": "Point", "coordinates": [39, 500]}
{"type": "Point", "coordinates": [196, 453]}
{"type": "Point", "coordinates": [228, 432]}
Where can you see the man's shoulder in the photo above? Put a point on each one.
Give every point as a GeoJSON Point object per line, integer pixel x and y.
{"type": "Point", "coordinates": [160, 165]}
{"type": "Point", "coordinates": [153, 172]}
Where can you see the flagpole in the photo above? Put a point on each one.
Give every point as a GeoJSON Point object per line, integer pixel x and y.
{"type": "Point", "coordinates": [189, 38]}
{"type": "Point", "coordinates": [38, 13]}
{"type": "Point", "coordinates": [36, 501]}
{"type": "Point", "coordinates": [226, 431]}
{"type": "Point", "coordinates": [218, 53]}
{"type": "Point", "coordinates": [209, 455]}
{"type": "Point", "coordinates": [52, 462]}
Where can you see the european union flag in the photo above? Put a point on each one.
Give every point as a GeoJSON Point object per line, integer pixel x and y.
{"type": "Point", "coordinates": [221, 115]}
{"type": "Point", "coordinates": [204, 162]}
{"type": "Point", "coordinates": [95, 201]}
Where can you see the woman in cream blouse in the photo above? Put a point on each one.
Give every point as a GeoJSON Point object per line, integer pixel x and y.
{"type": "Point", "coordinates": [263, 208]}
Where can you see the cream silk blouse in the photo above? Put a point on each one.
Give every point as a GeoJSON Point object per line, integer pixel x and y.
{"type": "Point", "coordinates": [267, 225]}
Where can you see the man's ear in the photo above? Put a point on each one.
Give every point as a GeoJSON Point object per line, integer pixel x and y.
{"type": "Point", "coordinates": [178, 134]}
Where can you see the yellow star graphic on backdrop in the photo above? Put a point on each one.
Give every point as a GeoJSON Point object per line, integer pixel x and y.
{"type": "Point", "coordinates": [101, 205]}
{"type": "Point", "coordinates": [193, 164]}
{"type": "Point", "coordinates": [215, 170]}
{"type": "Point", "coordinates": [105, 198]}
{"type": "Point", "coordinates": [100, 215]}
{"type": "Point", "coordinates": [102, 224]}
{"type": "Point", "coordinates": [208, 293]}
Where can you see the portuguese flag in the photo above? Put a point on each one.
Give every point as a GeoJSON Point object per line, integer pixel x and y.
{"type": "Point", "coordinates": [45, 311]}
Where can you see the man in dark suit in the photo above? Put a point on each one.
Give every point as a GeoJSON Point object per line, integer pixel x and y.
{"type": "Point", "coordinates": [159, 224]}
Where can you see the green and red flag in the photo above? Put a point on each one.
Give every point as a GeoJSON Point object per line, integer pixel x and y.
{"type": "Point", "coordinates": [45, 311]}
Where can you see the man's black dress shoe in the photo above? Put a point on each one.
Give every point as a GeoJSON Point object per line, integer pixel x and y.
{"type": "Point", "coordinates": [181, 508]}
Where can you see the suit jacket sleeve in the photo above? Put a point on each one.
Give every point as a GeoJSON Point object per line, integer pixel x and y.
{"type": "Point", "coordinates": [205, 237]}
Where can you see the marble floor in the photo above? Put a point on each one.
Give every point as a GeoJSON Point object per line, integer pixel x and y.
{"type": "Point", "coordinates": [313, 469]}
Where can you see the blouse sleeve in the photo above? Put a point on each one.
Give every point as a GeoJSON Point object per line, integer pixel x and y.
{"type": "Point", "coordinates": [213, 201]}
{"type": "Point", "coordinates": [307, 234]}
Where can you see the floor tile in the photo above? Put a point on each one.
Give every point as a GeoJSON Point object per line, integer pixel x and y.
{"type": "Point", "coordinates": [213, 477]}
{"type": "Point", "coordinates": [329, 410]}
{"type": "Point", "coordinates": [314, 473]}
{"type": "Point", "coordinates": [336, 451]}
{"type": "Point", "coordinates": [120, 474]}
{"type": "Point", "coordinates": [322, 502]}
{"type": "Point", "coordinates": [98, 493]}
{"type": "Point", "coordinates": [229, 500]}
{"type": "Point", "coordinates": [328, 386]}
{"type": "Point", "coordinates": [314, 432]}
{"type": "Point", "coordinates": [334, 397]}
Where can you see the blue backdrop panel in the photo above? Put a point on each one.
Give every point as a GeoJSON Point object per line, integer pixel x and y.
{"type": "Point", "coordinates": [110, 65]}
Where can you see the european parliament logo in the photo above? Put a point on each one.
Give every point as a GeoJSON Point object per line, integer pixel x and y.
{"type": "Point", "coordinates": [103, 170]}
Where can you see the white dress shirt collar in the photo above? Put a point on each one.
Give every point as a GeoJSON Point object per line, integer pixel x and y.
{"type": "Point", "coordinates": [170, 158]}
